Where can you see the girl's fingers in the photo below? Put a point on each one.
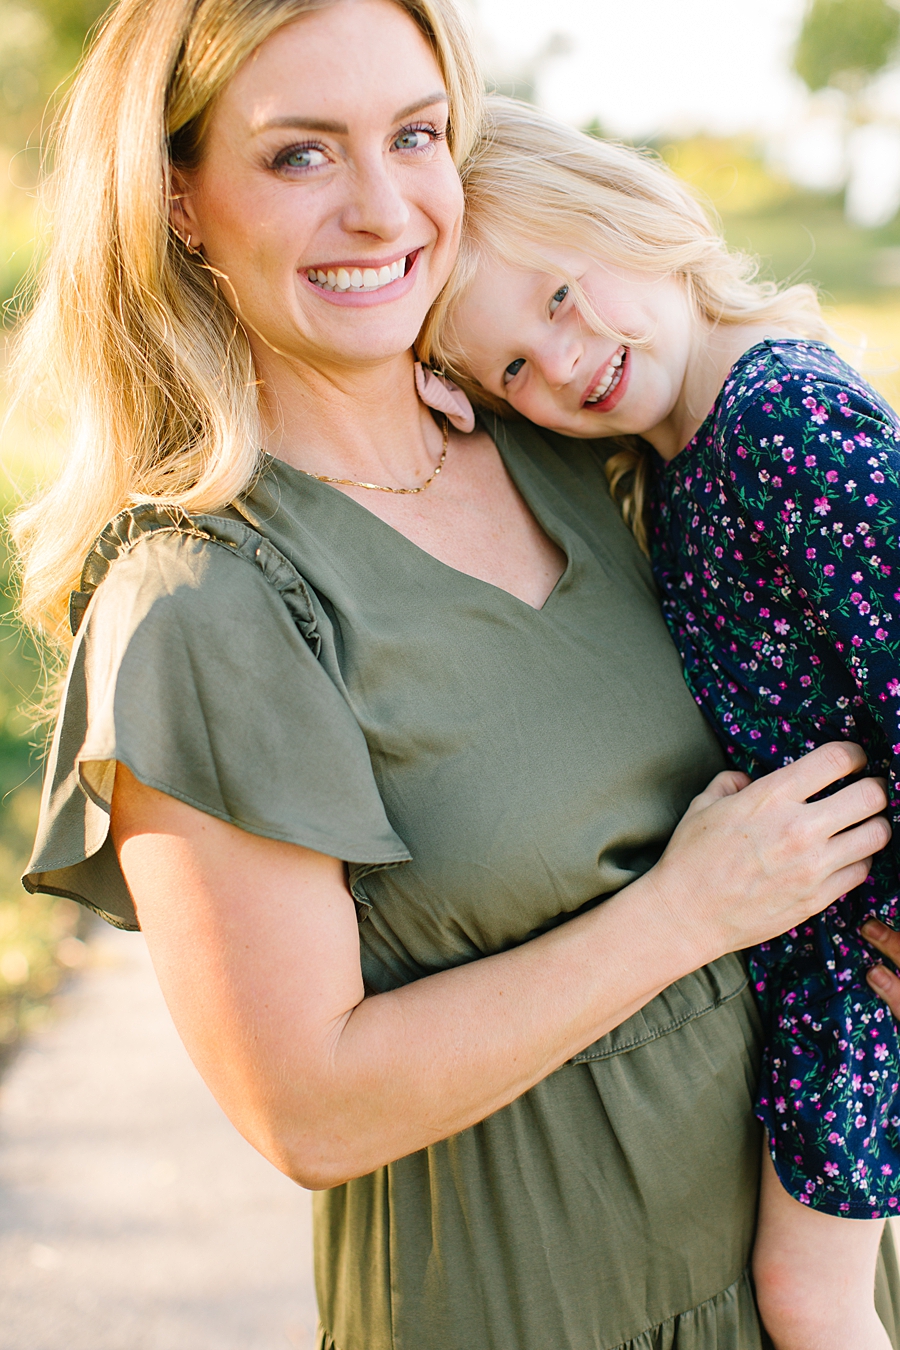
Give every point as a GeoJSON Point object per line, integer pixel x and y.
{"type": "Point", "coordinates": [886, 986]}
{"type": "Point", "coordinates": [884, 981]}
{"type": "Point", "coordinates": [887, 940]}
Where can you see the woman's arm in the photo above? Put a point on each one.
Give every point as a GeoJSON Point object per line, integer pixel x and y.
{"type": "Point", "coordinates": [256, 947]}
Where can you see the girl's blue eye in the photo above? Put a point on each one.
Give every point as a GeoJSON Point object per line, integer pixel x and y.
{"type": "Point", "coordinates": [413, 138]}
{"type": "Point", "coordinates": [302, 157]}
{"type": "Point", "coordinates": [513, 369]}
{"type": "Point", "coordinates": [558, 297]}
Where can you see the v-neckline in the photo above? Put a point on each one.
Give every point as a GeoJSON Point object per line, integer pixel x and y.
{"type": "Point", "coordinates": [557, 533]}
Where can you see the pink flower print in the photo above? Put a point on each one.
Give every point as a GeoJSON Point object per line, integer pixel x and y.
{"type": "Point", "coordinates": [831, 476]}
{"type": "Point", "coordinates": [810, 1187]}
{"type": "Point", "coordinates": [780, 1105]}
{"type": "Point", "coordinates": [855, 596]}
{"type": "Point", "coordinates": [846, 540]}
{"type": "Point", "coordinates": [829, 1115]}
{"type": "Point", "coordinates": [881, 634]}
{"type": "Point", "coordinates": [821, 506]}
{"type": "Point", "coordinates": [848, 447]}
{"type": "Point", "coordinates": [865, 607]}
{"type": "Point", "coordinates": [881, 1051]}
{"type": "Point", "coordinates": [810, 461]}
{"type": "Point", "coordinates": [773, 387]}
{"type": "Point", "coordinates": [828, 569]}
{"type": "Point", "coordinates": [810, 553]}
{"type": "Point", "coordinates": [832, 1169]}
{"type": "Point", "coordinates": [795, 1083]}
{"type": "Point", "coordinates": [860, 1122]}
{"type": "Point", "coordinates": [857, 1082]}
{"type": "Point", "coordinates": [767, 407]}
{"type": "Point", "coordinates": [893, 688]}
{"type": "Point", "coordinates": [782, 627]}
{"type": "Point", "coordinates": [877, 476]}
{"type": "Point", "coordinates": [857, 577]}
{"type": "Point", "coordinates": [763, 613]}
{"type": "Point", "coordinates": [871, 500]}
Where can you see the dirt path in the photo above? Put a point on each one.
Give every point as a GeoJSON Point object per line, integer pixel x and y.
{"type": "Point", "coordinates": [132, 1214]}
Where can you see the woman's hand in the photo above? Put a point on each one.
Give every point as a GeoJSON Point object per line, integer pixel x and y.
{"type": "Point", "coordinates": [884, 981]}
{"type": "Point", "coordinates": [256, 946]}
{"type": "Point", "coordinates": [750, 860]}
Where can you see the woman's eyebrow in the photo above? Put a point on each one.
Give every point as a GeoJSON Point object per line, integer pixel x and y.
{"type": "Point", "coordinates": [300, 123]}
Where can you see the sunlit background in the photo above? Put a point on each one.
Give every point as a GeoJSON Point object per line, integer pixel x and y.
{"type": "Point", "coordinates": [785, 114]}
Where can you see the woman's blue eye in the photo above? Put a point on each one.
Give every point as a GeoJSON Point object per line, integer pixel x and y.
{"type": "Point", "coordinates": [513, 369]}
{"type": "Point", "coordinates": [558, 297]}
{"type": "Point", "coordinates": [302, 157]}
{"type": "Point", "coordinates": [413, 138]}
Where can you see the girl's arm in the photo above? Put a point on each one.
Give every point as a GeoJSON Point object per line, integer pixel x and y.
{"type": "Point", "coordinates": [256, 947]}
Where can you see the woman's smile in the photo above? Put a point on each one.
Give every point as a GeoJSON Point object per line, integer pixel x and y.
{"type": "Point", "coordinates": [364, 282]}
{"type": "Point", "coordinates": [326, 184]}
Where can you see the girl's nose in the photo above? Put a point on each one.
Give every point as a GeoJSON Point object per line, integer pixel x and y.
{"type": "Point", "coordinates": [557, 359]}
{"type": "Point", "coordinates": [375, 206]}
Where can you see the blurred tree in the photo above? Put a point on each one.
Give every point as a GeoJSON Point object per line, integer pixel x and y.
{"type": "Point", "coordinates": [844, 43]}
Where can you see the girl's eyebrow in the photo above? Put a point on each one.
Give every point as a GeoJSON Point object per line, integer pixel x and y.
{"type": "Point", "coordinates": [299, 123]}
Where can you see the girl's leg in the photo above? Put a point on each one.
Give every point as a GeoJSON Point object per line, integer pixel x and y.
{"type": "Point", "coordinates": [815, 1274]}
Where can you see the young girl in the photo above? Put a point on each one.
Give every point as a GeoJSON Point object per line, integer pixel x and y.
{"type": "Point", "coordinates": [594, 297]}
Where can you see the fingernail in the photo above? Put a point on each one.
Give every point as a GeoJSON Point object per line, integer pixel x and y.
{"type": "Point", "coordinates": [880, 978]}
{"type": "Point", "coordinates": [874, 929]}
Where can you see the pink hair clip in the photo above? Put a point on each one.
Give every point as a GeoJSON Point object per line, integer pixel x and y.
{"type": "Point", "coordinates": [444, 396]}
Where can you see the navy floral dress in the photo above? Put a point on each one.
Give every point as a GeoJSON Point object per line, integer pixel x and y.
{"type": "Point", "coordinates": [776, 547]}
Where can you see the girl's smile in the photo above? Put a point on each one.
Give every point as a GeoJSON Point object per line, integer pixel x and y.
{"type": "Point", "coordinates": [527, 342]}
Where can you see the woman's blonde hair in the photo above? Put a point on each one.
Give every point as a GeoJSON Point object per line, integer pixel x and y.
{"type": "Point", "coordinates": [531, 182]}
{"type": "Point", "coordinates": [148, 370]}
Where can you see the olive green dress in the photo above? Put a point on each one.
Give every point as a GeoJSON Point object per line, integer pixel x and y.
{"type": "Point", "coordinates": [487, 770]}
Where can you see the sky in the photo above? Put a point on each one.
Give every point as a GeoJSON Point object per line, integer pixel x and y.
{"type": "Point", "coordinates": [643, 67]}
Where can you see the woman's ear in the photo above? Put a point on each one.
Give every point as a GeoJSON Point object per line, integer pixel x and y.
{"type": "Point", "coordinates": [182, 216]}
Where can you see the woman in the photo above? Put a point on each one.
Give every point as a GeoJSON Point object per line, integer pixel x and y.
{"type": "Point", "coordinates": [362, 742]}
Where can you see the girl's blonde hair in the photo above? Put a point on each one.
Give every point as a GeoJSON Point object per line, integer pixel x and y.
{"type": "Point", "coordinates": [533, 182]}
{"type": "Point", "coordinates": [148, 369]}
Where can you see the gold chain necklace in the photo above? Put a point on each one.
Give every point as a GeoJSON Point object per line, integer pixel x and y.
{"type": "Point", "coordinates": [378, 487]}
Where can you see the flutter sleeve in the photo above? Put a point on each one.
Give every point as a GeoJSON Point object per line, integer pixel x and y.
{"type": "Point", "coordinates": [815, 463]}
{"type": "Point", "coordinates": [195, 664]}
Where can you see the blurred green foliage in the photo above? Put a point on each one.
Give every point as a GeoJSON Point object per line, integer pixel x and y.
{"type": "Point", "coordinates": [40, 936]}
{"type": "Point", "coordinates": [845, 42]}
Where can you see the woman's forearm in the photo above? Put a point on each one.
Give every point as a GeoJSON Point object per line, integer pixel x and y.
{"type": "Point", "coordinates": [257, 950]}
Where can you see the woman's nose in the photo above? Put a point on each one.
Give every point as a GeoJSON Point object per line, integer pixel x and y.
{"type": "Point", "coordinates": [375, 205]}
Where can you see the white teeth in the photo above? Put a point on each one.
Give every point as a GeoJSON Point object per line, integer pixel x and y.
{"type": "Point", "coordinates": [611, 375]}
{"type": "Point", "coordinates": [356, 278]}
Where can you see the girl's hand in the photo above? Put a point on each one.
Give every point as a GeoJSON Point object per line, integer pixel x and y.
{"type": "Point", "coordinates": [750, 860]}
{"type": "Point", "coordinates": [883, 980]}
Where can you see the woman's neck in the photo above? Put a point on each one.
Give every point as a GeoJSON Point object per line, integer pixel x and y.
{"type": "Point", "coordinates": [366, 424]}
